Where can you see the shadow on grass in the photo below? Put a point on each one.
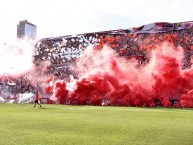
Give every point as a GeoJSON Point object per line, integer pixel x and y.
{"type": "Point", "coordinates": [41, 108]}
{"type": "Point", "coordinates": [44, 108]}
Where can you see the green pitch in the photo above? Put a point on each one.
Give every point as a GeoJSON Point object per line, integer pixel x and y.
{"type": "Point", "coordinates": [21, 124]}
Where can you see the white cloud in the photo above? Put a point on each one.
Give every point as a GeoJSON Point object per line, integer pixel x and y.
{"type": "Point", "coordinates": [63, 17]}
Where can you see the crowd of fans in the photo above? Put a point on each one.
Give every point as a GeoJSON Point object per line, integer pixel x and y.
{"type": "Point", "coordinates": [138, 45]}
{"type": "Point", "coordinates": [62, 52]}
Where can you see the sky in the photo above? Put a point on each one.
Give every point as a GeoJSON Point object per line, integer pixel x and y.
{"type": "Point", "coordinates": [65, 17]}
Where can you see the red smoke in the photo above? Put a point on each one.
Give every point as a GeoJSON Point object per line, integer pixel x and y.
{"type": "Point", "coordinates": [106, 79]}
{"type": "Point", "coordinates": [60, 92]}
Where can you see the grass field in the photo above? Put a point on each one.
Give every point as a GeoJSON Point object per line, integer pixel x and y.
{"type": "Point", "coordinates": [21, 124]}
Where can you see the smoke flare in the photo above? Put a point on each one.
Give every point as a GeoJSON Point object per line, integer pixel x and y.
{"type": "Point", "coordinates": [106, 79]}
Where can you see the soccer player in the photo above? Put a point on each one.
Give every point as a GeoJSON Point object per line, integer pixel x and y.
{"type": "Point", "coordinates": [37, 99]}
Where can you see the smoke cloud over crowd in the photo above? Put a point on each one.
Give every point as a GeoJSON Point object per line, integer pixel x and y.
{"type": "Point", "coordinates": [106, 79]}
{"type": "Point", "coordinates": [18, 71]}
{"type": "Point", "coordinates": [16, 57]}
{"type": "Point", "coordinates": [126, 69]}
